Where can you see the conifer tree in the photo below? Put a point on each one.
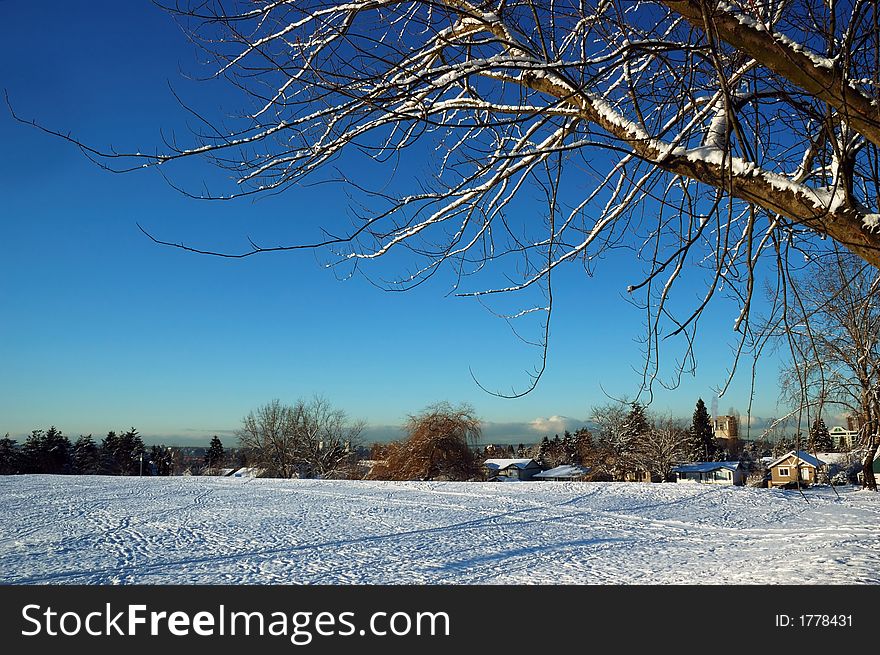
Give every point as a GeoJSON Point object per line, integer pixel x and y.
{"type": "Point", "coordinates": [703, 446]}
{"type": "Point", "coordinates": [162, 458]}
{"type": "Point", "coordinates": [782, 446]}
{"type": "Point", "coordinates": [215, 455]}
{"type": "Point", "coordinates": [46, 452]}
{"type": "Point", "coordinates": [121, 454]}
{"type": "Point", "coordinates": [636, 424]}
{"type": "Point", "coordinates": [86, 457]}
{"type": "Point", "coordinates": [9, 456]}
{"type": "Point", "coordinates": [820, 438]}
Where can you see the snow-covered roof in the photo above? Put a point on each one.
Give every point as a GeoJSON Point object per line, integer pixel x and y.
{"type": "Point", "coordinates": [248, 472]}
{"type": "Point", "coordinates": [705, 467]}
{"type": "Point", "coordinates": [501, 464]}
{"type": "Point", "coordinates": [802, 455]}
{"type": "Point", "coordinates": [564, 471]}
{"type": "Point", "coordinates": [833, 458]}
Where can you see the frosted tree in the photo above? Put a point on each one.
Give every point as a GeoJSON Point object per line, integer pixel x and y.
{"type": "Point", "coordinates": [713, 141]}
{"type": "Point", "coordinates": [665, 444]}
{"type": "Point", "coordinates": [310, 438]}
{"type": "Point", "coordinates": [820, 438]}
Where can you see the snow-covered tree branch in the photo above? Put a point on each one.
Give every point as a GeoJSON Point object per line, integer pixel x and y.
{"type": "Point", "coordinates": [705, 137]}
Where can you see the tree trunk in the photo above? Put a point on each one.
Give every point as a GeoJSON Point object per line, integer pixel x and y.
{"type": "Point", "coordinates": [868, 480]}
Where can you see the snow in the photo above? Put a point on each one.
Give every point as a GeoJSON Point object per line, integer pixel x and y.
{"type": "Point", "coordinates": [871, 221]}
{"type": "Point", "coordinates": [564, 471]}
{"type": "Point", "coordinates": [834, 458]}
{"type": "Point", "coordinates": [747, 21]}
{"type": "Point", "coordinates": [705, 467]}
{"type": "Point", "coordinates": [210, 530]}
{"type": "Point", "coordinates": [501, 464]}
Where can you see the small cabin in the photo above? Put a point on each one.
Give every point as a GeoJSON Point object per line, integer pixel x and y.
{"type": "Point", "coordinates": [794, 467]}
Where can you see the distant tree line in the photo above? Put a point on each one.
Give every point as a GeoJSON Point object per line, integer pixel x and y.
{"type": "Point", "coordinates": [124, 453]}
{"type": "Point", "coordinates": [629, 443]}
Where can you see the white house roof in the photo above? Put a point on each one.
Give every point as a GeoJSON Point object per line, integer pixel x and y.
{"type": "Point", "coordinates": [564, 471]}
{"type": "Point", "coordinates": [248, 472]}
{"type": "Point", "coordinates": [833, 458]}
{"type": "Point", "coordinates": [501, 464]}
{"type": "Point", "coordinates": [802, 455]}
{"type": "Point", "coordinates": [705, 467]}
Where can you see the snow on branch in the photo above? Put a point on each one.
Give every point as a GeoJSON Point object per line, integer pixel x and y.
{"type": "Point", "coordinates": [509, 137]}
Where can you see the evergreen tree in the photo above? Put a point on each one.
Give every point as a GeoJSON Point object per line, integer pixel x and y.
{"type": "Point", "coordinates": [635, 426]}
{"type": "Point", "coordinates": [56, 449]}
{"type": "Point", "coordinates": [544, 448]}
{"type": "Point", "coordinates": [702, 437]}
{"type": "Point", "coordinates": [633, 432]}
{"type": "Point", "coordinates": [583, 446]}
{"type": "Point", "coordinates": [109, 446]}
{"type": "Point", "coordinates": [46, 452]}
{"type": "Point", "coordinates": [31, 452]}
{"type": "Point", "coordinates": [86, 457]}
{"type": "Point", "coordinates": [130, 452]}
{"type": "Point", "coordinates": [820, 438]}
{"type": "Point", "coordinates": [215, 455]}
{"type": "Point", "coordinates": [569, 448]}
{"type": "Point", "coordinates": [162, 458]}
{"type": "Point", "coordinates": [782, 446]}
{"type": "Point", "coordinates": [121, 454]}
{"type": "Point", "coordinates": [9, 456]}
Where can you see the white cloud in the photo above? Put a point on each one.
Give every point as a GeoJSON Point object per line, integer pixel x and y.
{"type": "Point", "coordinates": [553, 425]}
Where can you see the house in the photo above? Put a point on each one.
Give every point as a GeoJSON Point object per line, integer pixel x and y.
{"type": "Point", "coordinates": [247, 472]}
{"type": "Point", "coordinates": [793, 467]}
{"type": "Point", "coordinates": [844, 439]}
{"type": "Point", "coordinates": [566, 472]}
{"type": "Point", "coordinates": [511, 469]}
{"type": "Point", "coordinates": [639, 475]}
{"type": "Point", "coordinates": [726, 473]}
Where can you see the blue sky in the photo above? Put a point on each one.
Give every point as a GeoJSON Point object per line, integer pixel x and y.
{"type": "Point", "coordinates": [101, 329]}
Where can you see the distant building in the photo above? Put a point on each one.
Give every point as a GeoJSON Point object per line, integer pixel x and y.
{"type": "Point", "coordinates": [565, 472]}
{"type": "Point", "coordinates": [640, 474]}
{"type": "Point", "coordinates": [511, 469]}
{"type": "Point", "coordinates": [726, 473]}
{"type": "Point", "coordinates": [844, 439]}
{"type": "Point", "coordinates": [794, 467]}
{"type": "Point", "coordinates": [726, 427]}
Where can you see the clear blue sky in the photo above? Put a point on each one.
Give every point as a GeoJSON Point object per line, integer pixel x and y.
{"type": "Point", "coordinates": [101, 329]}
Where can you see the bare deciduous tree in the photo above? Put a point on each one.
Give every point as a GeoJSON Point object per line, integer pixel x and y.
{"type": "Point", "coordinates": [832, 326]}
{"type": "Point", "coordinates": [706, 137]}
{"type": "Point", "coordinates": [663, 446]}
{"type": "Point", "coordinates": [307, 439]}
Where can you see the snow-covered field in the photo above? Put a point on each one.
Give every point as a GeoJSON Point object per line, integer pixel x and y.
{"type": "Point", "coordinates": [104, 530]}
